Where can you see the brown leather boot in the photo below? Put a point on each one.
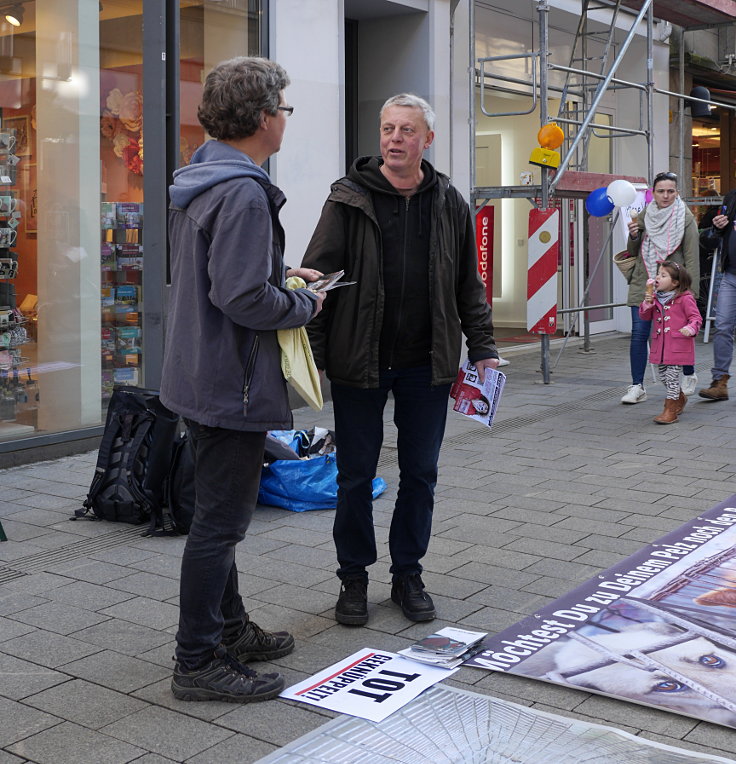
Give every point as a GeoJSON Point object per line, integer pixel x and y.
{"type": "Point", "coordinates": [681, 401]}
{"type": "Point", "coordinates": [718, 390]}
{"type": "Point", "coordinates": [669, 415]}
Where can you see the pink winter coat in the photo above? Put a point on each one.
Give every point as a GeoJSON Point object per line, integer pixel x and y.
{"type": "Point", "coordinates": [666, 344]}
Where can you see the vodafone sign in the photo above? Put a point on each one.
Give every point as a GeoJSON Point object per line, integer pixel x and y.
{"type": "Point", "coordinates": [484, 248]}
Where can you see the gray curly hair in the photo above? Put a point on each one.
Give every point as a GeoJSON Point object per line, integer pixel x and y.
{"type": "Point", "coordinates": [236, 92]}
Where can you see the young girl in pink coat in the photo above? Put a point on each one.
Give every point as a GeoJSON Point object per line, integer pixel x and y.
{"type": "Point", "coordinates": [675, 322]}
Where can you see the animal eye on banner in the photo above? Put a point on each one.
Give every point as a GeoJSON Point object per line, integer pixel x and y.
{"type": "Point", "coordinates": [658, 629]}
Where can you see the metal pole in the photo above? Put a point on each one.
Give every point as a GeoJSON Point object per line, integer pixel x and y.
{"type": "Point", "coordinates": [600, 92]}
{"type": "Point", "coordinates": [650, 88]}
{"type": "Point", "coordinates": [681, 113]}
{"type": "Point", "coordinates": [545, 359]}
{"type": "Point", "coordinates": [543, 10]}
{"type": "Point", "coordinates": [588, 278]}
{"type": "Point", "coordinates": [471, 100]}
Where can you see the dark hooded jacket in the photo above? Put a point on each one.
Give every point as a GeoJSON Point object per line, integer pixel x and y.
{"type": "Point", "coordinates": [222, 362]}
{"type": "Point", "coordinates": [418, 288]}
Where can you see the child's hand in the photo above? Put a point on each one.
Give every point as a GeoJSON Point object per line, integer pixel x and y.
{"type": "Point", "coordinates": [687, 331]}
{"type": "Point", "coordinates": [649, 298]}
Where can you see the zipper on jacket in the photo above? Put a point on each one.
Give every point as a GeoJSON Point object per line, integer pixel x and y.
{"type": "Point", "coordinates": [249, 368]}
{"type": "Point", "coordinates": [407, 201]}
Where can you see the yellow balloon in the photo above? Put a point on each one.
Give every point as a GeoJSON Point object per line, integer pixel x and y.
{"type": "Point", "coordinates": [550, 136]}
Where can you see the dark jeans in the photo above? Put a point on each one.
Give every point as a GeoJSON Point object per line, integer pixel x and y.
{"type": "Point", "coordinates": [420, 412]}
{"type": "Point", "coordinates": [227, 474]}
{"type": "Point", "coordinates": [638, 350]}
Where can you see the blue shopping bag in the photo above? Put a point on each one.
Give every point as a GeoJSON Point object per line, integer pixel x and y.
{"type": "Point", "coordinates": [303, 484]}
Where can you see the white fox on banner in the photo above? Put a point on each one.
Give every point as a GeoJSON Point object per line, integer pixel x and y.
{"type": "Point", "coordinates": [541, 290]}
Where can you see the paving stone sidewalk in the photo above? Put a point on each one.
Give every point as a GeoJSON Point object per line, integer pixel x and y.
{"type": "Point", "coordinates": [568, 482]}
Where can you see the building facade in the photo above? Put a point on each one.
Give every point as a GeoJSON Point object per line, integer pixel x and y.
{"type": "Point", "coordinates": [98, 108]}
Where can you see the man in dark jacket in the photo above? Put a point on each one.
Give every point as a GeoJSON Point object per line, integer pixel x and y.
{"type": "Point", "coordinates": [725, 322]}
{"type": "Point", "coordinates": [222, 369]}
{"type": "Point", "coordinates": [399, 229]}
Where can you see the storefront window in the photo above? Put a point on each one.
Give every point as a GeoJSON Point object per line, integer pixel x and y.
{"type": "Point", "coordinates": [706, 147]}
{"type": "Point", "coordinates": [122, 250]}
{"type": "Point", "coordinates": [73, 258]}
{"type": "Point", "coordinates": [210, 33]}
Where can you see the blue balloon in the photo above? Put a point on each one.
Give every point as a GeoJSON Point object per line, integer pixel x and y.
{"type": "Point", "coordinates": [598, 204]}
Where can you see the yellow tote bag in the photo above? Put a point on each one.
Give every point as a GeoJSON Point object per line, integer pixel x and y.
{"type": "Point", "coordinates": [297, 361]}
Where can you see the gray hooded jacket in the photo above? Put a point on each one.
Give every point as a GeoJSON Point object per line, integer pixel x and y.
{"type": "Point", "coordinates": [222, 364]}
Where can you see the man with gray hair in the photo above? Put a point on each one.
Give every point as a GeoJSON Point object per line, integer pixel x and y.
{"type": "Point", "coordinates": [222, 366]}
{"type": "Point", "coordinates": [399, 229]}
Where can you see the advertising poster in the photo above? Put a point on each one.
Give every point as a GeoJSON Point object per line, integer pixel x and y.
{"type": "Point", "coordinates": [658, 629]}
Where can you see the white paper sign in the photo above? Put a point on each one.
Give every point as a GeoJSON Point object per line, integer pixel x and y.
{"type": "Point", "coordinates": [371, 684]}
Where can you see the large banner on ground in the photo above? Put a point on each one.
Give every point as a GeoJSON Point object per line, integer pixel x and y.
{"type": "Point", "coordinates": [657, 629]}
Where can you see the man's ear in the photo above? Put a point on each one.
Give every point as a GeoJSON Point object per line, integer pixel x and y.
{"type": "Point", "coordinates": [430, 138]}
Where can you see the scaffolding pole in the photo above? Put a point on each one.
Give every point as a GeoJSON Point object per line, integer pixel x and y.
{"type": "Point", "coordinates": [540, 195]}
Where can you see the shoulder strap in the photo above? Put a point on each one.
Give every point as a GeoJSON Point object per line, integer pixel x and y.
{"type": "Point", "coordinates": [112, 430]}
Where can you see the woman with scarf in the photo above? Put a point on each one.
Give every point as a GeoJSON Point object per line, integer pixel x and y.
{"type": "Point", "coordinates": [666, 232]}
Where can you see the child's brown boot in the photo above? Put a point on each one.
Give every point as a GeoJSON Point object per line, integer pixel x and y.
{"type": "Point", "coordinates": [681, 401]}
{"type": "Point", "coordinates": [669, 415]}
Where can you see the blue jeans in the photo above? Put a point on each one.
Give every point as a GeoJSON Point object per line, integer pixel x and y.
{"type": "Point", "coordinates": [725, 324]}
{"type": "Point", "coordinates": [638, 349]}
{"type": "Point", "coordinates": [227, 475]}
{"type": "Point", "coordinates": [420, 412]}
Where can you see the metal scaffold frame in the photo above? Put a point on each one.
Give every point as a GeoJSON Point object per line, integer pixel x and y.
{"type": "Point", "coordinates": [589, 91]}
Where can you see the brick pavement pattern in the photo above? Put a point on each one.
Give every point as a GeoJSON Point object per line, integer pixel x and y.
{"type": "Point", "coordinates": [568, 482]}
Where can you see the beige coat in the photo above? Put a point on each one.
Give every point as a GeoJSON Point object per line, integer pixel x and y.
{"type": "Point", "coordinates": [687, 254]}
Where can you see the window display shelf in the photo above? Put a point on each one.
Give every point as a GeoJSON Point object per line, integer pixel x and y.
{"type": "Point", "coordinates": [121, 266]}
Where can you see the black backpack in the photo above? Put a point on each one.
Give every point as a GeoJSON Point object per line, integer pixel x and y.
{"type": "Point", "coordinates": [133, 460]}
{"type": "Point", "coordinates": [174, 516]}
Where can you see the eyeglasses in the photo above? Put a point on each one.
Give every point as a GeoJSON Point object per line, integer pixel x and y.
{"type": "Point", "coordinates": [288, 109]}
{"type": "Point", "coordinates": [664, 176]}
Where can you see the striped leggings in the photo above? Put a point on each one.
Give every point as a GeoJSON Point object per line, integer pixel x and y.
{"type": "Point", "coordinates": [669, 376]}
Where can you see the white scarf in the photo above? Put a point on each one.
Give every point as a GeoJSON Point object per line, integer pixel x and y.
{"type": "Point", "coordinates": [664, 228]}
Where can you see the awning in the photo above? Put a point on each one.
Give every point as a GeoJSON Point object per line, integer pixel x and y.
{"type": "Point", "coordinates": [690, 13]}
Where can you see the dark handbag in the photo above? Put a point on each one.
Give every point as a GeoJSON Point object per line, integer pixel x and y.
{"type": "Point", "coordinates": [710, 238]}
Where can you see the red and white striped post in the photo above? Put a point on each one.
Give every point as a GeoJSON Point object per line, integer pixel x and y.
{"type": "Point", "coordinates": [541, 291]}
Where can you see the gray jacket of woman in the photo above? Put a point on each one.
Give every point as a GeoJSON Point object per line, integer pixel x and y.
{"type": "Point", "coordinates": [687, 254]}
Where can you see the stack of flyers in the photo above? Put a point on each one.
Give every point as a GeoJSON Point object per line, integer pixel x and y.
{"type": "Point", "coordinates": [473, 399]}
{"type": "Point", "coordinates": [447, 648]}
{"type": "Point", "coordinates": [329, 281]}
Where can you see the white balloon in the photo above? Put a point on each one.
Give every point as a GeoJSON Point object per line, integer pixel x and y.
{"type": "Point", "coordinates": [621, 192]}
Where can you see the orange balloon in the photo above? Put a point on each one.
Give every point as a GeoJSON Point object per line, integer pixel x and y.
{"type": "Point", "coordinates": [550, 136]}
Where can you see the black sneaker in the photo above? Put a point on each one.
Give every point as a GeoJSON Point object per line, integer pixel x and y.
{"type": "Point", "coordinates": [225, 679]}
{"type": "Point", "coordinates": [255, 644]}
{"type": "Point", "coordinates": [408, 593]}
{"type": "Point", "coordinates": [352, 604]}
